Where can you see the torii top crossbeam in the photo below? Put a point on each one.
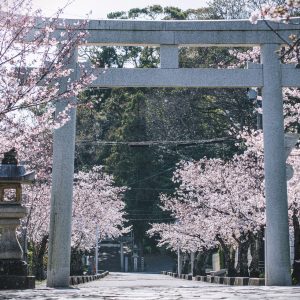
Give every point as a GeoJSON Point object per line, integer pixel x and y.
{"type": "Point", "coordinates": [170, 35]}
{"type": "Point", "coordinates": [186, 33]}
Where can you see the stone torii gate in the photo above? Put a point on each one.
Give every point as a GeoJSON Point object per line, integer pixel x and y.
{"type": "Point", "coordinates": [270, 75]}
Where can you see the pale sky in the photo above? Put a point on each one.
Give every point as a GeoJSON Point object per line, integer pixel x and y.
{"type": "Point", "coordinates": [100, 8]}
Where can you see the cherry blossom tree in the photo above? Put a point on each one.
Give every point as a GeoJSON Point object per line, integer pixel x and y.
{"type": "Point", "coordinates": [281, 13]}
{"type": "Point", "coordinates": [294, 213]}
{"type": "Point", "coordinates": [34, 57]}
{"type": "Point", "coordinates": [216, 203]}
{"type": "Point", "coordinates": [222, 204]}
{"type": "Point", "coordinates": [97, 202]}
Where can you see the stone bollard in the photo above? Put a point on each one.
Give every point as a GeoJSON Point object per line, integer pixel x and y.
{"type": "Point", "coordinates": [219, 280]}
{"type": "Point", "coordinates": [257, 281]}
{"type": "Point", "coordinates": [241, 281]}
{"type": "Point", "coordinates": [229, 280]}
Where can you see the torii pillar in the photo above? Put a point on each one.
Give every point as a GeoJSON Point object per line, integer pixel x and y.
{"type": "Point", "coordinates": [277, 252]}
{"type": "Point", "coordinates": [59, 253]}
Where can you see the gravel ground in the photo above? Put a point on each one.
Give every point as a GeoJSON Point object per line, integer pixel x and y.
{"type": "Point", "coordinates": [138, 286]}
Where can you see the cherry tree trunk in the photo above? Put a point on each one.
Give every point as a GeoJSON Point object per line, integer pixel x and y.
{"type": "Point", "coordinates": [296, 264]}
{"type": "Point", "coordinates": [256, 243]}
{"type": "Point", "coordinates": [228, 258]}
{"type": "Point", "coordinates": [242, 264]}
{"type": "Point", "coordinates": [76, 262]}
{"type": "Point", "coordinates": [201, 262]}
{"type": "Point", "coordinates": [38, 260]}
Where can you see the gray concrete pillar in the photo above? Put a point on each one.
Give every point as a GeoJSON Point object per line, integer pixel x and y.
{"type": "Point", "coordinates": [126, 264]}
{"type": "Point", "coordinates": [122, 256]}
{"type": "Point", "coordinates": [135, 263]}
{"type": "Point", "coordinates": [169, 58]}
{"type": "Point", "coordinates": [277, 260]}
{"type": "Point", "coordinates": [192, 262]}
{"type": "Point", "coordinates": [59, 252]}
{"type": "Point", "coordinates": [97, 250]}
{"type": "Point", "coordinates": [179, 262]}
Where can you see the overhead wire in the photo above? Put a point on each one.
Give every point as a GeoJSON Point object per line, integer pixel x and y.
{"type": "Point", "coordinates": [156, 143]}
{"type": "Point", "coordinates": [154, 175]}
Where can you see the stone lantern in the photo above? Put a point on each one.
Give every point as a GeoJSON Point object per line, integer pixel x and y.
{"type": "Point", "coordinates": [13, 270]}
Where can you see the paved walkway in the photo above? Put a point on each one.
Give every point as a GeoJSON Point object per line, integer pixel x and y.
{"type": "Point", "coordinates": [120, 286]}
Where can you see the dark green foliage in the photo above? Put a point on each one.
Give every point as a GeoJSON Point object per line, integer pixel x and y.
{"type": "Point", "coordinates": [117, 15]}
{"type": "Point", "coordinates": [237, 9]}
{"type": "Point", "coordinates": [203, 261]}
{"type": "Point", "coordinates": [150, 114]}
{"type": "Point", "coordinates": [77, 267]}
{"type": "Point", "coordinates": [37, 259]}
{"type": "Point", "coordinates": [156, 12]}
{"type": "Point", "coordinates": [174, 13]}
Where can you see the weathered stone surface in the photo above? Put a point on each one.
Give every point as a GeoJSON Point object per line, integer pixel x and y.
{"type": "Point", "coordinates": [15, 173]}
{"type": "Point", "coordinates": [11, 211]}
{"type": "Point", "coordinates": [13, 267]}
{"type": "Point", "coordinates": [10, 215]}
{"type": "Point", "coordinates": [178, 32]}
{"type": "Point", "coordinates": [59, 249]}
{"type": "Point", "coordinates": [182, 77]}
{"type": "Point", "coordinates": [241, 280]}
{"type": "Point", "coordinates": [74, 280]}
{"type": "Point", "coordinates": [221, 272]}
{"type": "Point", "coordinates": [277, 253]}
{"type": "Point", "coordinates": [16, 282]}
{"type": "Point", "coordinates": [257, 281]}
{"type": "Point", "coordinates": [169, 58]}
{"type": "Point", "coordinates": [229, 280]}
{"type": "Point", "coordinates": [219, 280]}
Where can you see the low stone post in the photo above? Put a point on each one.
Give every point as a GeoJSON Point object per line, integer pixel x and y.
{"type": "Point", "coordinates": [97, 250]}
{"type": "Point", "coordinates": [179, 270]}
{"type": "Point", "coordinates": [142, 264]}
{"type": "Point", "coordinates": [122, 256]}
{"type": "Point", "coordinates": [126, 264]}
{"type": "Point", "coordinates": [135, 262]}
{"type": "Point", "coordinates": [192, 262]}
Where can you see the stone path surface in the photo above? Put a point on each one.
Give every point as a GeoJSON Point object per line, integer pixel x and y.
{"type": "Point", "coordinates": [120, 286]}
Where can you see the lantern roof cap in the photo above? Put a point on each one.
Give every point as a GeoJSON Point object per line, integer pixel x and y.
{"type": "Point", "coordinates": [11, 172]}
{"type": "Point", "coordinates": [15, 174]}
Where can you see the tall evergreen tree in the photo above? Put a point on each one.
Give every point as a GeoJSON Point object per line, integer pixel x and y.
{"type": "Point", "coordinates": [124, 115]}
